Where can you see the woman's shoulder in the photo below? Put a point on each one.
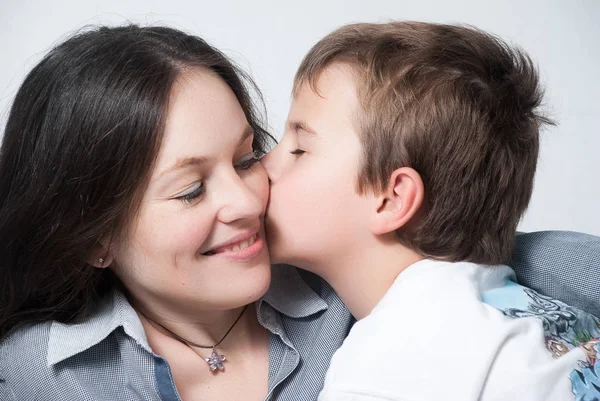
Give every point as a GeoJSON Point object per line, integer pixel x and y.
{"type": "Point", "coordinates": [57, 361]}
{"type": "Point", "coordinates": [26, 345]}
{"type": "Point", "coordinates": [51, 355]}
{"type": "Point", "coordinates": [23, 358]}
{"type": "Point", "coordinates": [288, 277]}
{"type": "Point", "coordinates": [301, 291]}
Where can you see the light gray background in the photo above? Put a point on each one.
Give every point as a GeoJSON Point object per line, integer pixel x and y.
{"type": "Point", "coordinates": [269, 38]}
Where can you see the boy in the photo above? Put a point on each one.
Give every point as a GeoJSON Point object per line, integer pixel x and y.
{"type": "Point", "coordinates": [407, 162]}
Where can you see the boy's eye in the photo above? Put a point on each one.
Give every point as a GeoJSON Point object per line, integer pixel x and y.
{"type": "Point", "coordinates": [297, 152]}
{"type": "Point", "coordinates": [249, 160]}
{"type": "Point", "coordinates": [195, 191]}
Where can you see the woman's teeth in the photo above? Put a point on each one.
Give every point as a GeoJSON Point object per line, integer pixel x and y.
{"type": "Point", "coordinates": [243, 244]}
{"type": "Point", "coordinates": [236, 247]}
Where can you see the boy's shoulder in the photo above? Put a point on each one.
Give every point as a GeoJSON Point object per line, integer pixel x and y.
{"type": "Point", "coordinates": [419, 323]}
{"type": "Point", "coordinates": [456, 285]}
{"type": "Point", "coordinates": [432, 336]}
{"type": "Point", "coordinates": [430, 304]}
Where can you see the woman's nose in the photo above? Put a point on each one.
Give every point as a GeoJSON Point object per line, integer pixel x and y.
{"type": "Point", "coordinates": [244, 199]}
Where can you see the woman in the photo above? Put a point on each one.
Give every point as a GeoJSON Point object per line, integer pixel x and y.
{"type": "Point", "coordinates": [131, 231]}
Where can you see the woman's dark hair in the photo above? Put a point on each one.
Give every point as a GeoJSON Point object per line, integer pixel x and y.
{"type": "Point", "coordinates": [80, 142]}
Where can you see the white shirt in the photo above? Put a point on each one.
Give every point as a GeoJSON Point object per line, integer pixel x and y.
{"type": "Point", "coordinates": [432, 338]}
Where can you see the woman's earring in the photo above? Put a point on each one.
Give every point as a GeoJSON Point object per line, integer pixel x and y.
{"type": "Point", "coordinates": [101, 261]}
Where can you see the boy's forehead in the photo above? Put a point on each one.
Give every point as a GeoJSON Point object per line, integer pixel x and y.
{"type": "Point", "coordinates": [328, 105]}
{"type": "Point", "coordinates": [336, 77]}
{"type": "Point", "coordinates": [334, 87]}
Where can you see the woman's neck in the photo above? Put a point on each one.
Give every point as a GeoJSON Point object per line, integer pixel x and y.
{"type": "Point", "coordinates": [245, 367]}
{"type": "Point", "coordinates": [227, 327]}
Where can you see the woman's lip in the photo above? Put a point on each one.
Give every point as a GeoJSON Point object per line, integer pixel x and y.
{"type": "Point", "coordinates": [234, 241]}
{"type": "Point", "coordinates": [242, 254]}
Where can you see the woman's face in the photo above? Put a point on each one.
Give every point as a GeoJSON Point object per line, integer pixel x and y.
{"type": "Point", "coordinates": [198, 239]}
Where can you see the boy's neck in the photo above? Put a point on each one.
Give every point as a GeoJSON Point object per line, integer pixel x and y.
{"type": "Point", "coordinates": [363, 278]}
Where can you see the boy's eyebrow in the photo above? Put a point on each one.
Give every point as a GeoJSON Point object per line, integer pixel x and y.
{"type": "Point", "coordinates": [301, 126]}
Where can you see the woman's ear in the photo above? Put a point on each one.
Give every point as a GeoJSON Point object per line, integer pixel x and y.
{"type": "Point", "coordinates": [100, 257]}
{"type": "Point", "coordinates": [399, 202]}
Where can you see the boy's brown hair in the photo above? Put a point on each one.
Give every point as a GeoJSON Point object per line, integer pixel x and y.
{"type": "Point", "coordinates": [459, 106]}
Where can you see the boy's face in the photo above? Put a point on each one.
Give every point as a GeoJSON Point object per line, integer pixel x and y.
{"type": "Point", "coordinates": [314, 214]}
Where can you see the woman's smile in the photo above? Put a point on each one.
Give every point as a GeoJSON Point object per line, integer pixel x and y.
{"type": "Point", "coordinates": [244, 247]}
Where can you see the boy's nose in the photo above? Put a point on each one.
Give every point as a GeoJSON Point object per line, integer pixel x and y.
{"type": "Point", "coordinates": [271, 162]}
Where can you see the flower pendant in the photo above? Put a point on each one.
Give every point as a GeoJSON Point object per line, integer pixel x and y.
{"type": "Point", "coordinates": [215, 361]}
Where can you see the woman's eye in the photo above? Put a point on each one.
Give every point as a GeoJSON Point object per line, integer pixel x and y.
{"type": "Point", "coordinates": [297, 152]}
{"type": "Point", "coordinates": [248, 161]}
{"type": "Point", "coordinates": [194, 192]}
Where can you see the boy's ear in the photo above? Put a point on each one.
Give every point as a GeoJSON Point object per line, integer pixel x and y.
{"type": "Point", "coordinates": [399, 202]}
{"type": "Point", "coordinates": [100, 257]}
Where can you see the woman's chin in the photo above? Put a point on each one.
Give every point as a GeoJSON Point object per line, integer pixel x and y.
{"type": "Point", "coordinates": [251, 285]}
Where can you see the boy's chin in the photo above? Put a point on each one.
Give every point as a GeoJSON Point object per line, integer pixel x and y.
{"type": "Point", "coordinates": [282, 254]}
{"type": "Point", "coordinates": [278, 253]}
{"type": "Point", "coordinates": [284, 258]}
{"type": "Point", "coordinates": [278, 256]}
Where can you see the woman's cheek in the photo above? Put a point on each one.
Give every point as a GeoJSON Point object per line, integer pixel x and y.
{"type": "Point", "coordinates": [198, 230]}
{"type": "Point", "coordinates": [186, 229]}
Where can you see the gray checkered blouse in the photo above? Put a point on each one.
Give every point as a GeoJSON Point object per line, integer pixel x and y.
{"type": "Point", "coordinates": [107, 357]}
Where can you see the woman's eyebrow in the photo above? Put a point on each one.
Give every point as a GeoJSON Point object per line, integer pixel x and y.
{"type": "Point", "coordinates": [196, 161]}
{"type": "Point", "coordinates": [298, 126]}
{"type": "Point", "coordinates": [185, 162]}
{"type": "Point", "coordinates": [248, 131]}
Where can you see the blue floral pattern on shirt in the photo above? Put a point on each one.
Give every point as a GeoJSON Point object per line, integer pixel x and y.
{"type": "Point", "coordinates": [565, 328]}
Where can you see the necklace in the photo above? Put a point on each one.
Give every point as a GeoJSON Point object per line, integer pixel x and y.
{"type": "Point", "coordinates": [215, 361]}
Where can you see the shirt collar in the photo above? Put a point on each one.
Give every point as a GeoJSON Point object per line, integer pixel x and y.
{"type": "Point", "coordinates": [114, 311]}
{"type": "Point", "coordinates": [291, 295]}
{"type": "Point", "coordinates": [288, 294]}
